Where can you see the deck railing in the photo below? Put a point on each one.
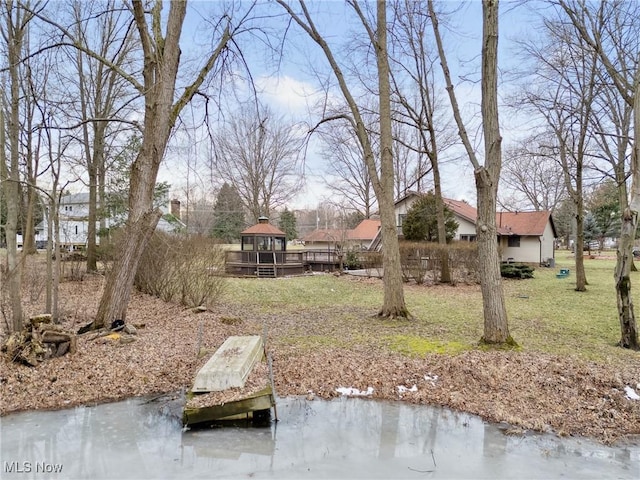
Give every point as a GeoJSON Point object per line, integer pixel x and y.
{"type": "Point", "coordinates": [282, 258]}
{"type": "Point", "coordinates": [271, 258]}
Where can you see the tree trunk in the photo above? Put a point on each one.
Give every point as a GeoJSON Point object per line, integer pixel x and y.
{"type": "Point", "coordinates": [393, 305]}
{"type": "Point", "coordinates": [28, 230]}
{"type": "Point", "coordinates": [581, 275]}
{"type": "Point", "coordinates": [14, 36]}
{"type": "Point", "coordinates": [382, 182]}
{"type": "Point", "coordinates": [10, 193]}
{"type": "Point", "coordinates": [160, 70]}
{"type": "Point", "coordinates": [496, 329]}
{"type": "Point", "coordinates": [445, 270]}
{"type": "Point", "coordinates": [92, 218]}
{"type": "Point", "coordinates": [117, 292]}
{"type": "Point", "coordinates": [628, 328]}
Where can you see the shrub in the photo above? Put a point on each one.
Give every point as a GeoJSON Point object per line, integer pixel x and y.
{"type": "Point", "coordinates": [182, 269]}
{"type": "Point", "coordinates": [516, 270]}
{"type": "Point", "coordinates": [370, 260]}
{"type": "Point", "coordinates": [422, 260]}
{"type": "Point", "coordinates": [352, 261]}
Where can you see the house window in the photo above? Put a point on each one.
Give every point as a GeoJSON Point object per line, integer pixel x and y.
{"type": "Point", "coordinates": [468, 238]}
{"type": "Point", "coordinates": [513, 241]}
{"type": "Point", "coordinates": [401, 217]}
{"type": "Point", "coordinates": [76, 229]}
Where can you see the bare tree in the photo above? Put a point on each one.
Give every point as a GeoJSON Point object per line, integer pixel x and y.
{"type": "Point", "coordinates": [562, 89]}
{"type": "Point", "coordinates": [381, 173]}
{"type": "Point", "coordinates": [348, 173]}
{"type": "Point", "coordinates": [257, 153]}
{"type": "Point", "coordinates": [607, 28]}
{"type": "Point", "coordinates": [533, 179]}
{"type": "Point", "coordinates": [414, 60]}
{"type": "Point", "coordinates": [487, 176]}
{"type": "Point", "coordinates": [13, 28]}
{"type": "Point", "coordinates": [159, 38]}
{"type": "Point", "coordinates": [102, 95]}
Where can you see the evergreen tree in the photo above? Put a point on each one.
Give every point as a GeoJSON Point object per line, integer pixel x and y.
{"type": "Point", "coordinates": [116, 206]}
{"type": "Point", "coordinates": [228, 215]}
{"type": "Point", "coordinates": [287, 224]}
{"type": "Point", "coordinates": [564, 220]}
{"type": "Point", "coordinates": [421, 223]}
{"type": "Point", "coordinates": [590, 231]}
{"type": "Point", "coordinates": [604, 205]}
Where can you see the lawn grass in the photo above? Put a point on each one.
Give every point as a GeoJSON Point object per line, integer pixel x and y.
{"type": "Point", "coordinates": [546, 314]}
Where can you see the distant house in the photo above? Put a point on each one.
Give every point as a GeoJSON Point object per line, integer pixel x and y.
{"type": "Point", "coordinates": [328, 239]}
{"type": "Point", "coordinates": [523, 236]}
{"type": "Point", "coordinates": [74, 221]}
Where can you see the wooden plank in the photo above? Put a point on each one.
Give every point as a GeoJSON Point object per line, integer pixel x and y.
{"type": "Point", "coordinates": [230, 366]}
{"type": "Point", "coordinates": [262, 400]}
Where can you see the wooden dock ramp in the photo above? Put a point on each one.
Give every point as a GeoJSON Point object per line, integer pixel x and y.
{"type": "Point", "coordinates": [230, 366]}
{"type": "Point", "coordinates": [220, 390]}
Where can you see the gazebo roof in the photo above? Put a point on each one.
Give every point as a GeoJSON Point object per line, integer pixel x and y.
{"type": "Point", "coordinates": [263, 229]}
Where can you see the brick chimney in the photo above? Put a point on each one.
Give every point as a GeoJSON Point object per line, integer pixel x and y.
{"type": "Point", "coordinates": [175, 208]}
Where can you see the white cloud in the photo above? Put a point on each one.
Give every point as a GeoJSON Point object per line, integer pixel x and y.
{"type": "Point", "coordinates": [286, 93]}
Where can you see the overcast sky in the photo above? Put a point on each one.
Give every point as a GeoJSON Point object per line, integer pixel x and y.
{"type": "Point", "coordinates": [289, 86]}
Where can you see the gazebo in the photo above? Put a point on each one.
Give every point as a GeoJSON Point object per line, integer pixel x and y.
{"type": "Point", "coordinates": [263, 253]}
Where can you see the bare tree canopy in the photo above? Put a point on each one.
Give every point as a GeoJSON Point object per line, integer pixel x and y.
{"type": "Point", "coordinates": [534, 179]}
{"type": "Point", "coordinates": [380, 168]}
{"type": "Point", "coordinates": [607, 28]}
{"type": "Point", "coordinates": [258, 154]}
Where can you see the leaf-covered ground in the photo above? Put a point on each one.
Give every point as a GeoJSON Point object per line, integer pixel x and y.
{"type": "Point", "coordinates": [525, 389]}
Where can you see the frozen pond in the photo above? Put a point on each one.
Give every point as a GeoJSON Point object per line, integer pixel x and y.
{"type": "Point", "coordinates": [344, 438]}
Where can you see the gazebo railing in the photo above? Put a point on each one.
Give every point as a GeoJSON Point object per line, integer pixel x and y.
{"type": "Point", "coordinates": [260, 258]}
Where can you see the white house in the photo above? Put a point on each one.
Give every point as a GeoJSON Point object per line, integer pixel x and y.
{"type": "Point", "coordinates": [527, 237]}
{"type": "Point", "coordinates": [74, 224]}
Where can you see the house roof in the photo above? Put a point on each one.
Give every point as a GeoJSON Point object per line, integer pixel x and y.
{"type": "Point", "coordinates": [263, 229]}
{"type": "Point", "coordinates": [529, 223]}
{"type": "Point", "coordinates": [462, 209]}
{"type": "Point", "coordinates": [75, 198]}
{"type": "Point", "coordinates": [409, 194]}
{"type": "Point", "coordinates": [367, 229]}
{"type": "Point", "coordinates": [524, 223]}
{"type": "Point", "coordinates": [326, 235]}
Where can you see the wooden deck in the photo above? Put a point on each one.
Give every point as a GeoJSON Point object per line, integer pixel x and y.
{"type": "Point", "coordinates": [278, 264]}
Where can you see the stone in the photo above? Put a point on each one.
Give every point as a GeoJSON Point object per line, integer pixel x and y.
{"type": "Point", "coordinates": [130, 329]}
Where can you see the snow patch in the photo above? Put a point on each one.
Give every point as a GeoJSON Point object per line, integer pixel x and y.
{"type": "Point", "coordinates": [631, 393]}
{"type": "Point", "coordinates": [431, 378]}
{"type": "Point", "coordinates": [403, 389]}
{"type": "Point", "coordinates": [354, 392]}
